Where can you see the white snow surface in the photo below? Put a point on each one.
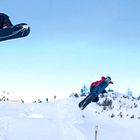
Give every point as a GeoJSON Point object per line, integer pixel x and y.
{"type": "Point", "coordinates": [63, 120]}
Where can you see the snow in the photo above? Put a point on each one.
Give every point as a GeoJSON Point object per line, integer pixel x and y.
{"type": "Point", "coordinates": [63, 120]}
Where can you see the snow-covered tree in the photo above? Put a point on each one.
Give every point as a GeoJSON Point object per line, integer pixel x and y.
{"type": "Point", "coordinates": [138, 98]}
{"type": "Point", "coordinates": [84, 90]}
{"type": "Point", "coordinates": [129, 93]}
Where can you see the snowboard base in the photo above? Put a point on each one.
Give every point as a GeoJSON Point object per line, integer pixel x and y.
{"type": "Point", "coordinates": [13, 32]}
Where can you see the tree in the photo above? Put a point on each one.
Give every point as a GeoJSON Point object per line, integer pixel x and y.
{"type": "Point", "coordinates": [110, 90]}
{"type": "Point", "coordinates": [84, 90]}
{"type": "Point", "coordinates": [129, 93]}
{"type": "Point", "coordinates": [138, 98]}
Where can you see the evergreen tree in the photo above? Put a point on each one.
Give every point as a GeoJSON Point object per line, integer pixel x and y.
{"type": "Point", "coordinates": [129, 93]}
{"type": "Point", "coordinates": [84, 90]}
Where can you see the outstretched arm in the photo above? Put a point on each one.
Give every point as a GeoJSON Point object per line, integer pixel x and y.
{"type": "Point", "coordinates": [111, 82]}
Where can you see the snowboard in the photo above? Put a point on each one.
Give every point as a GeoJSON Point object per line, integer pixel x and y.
{"type": "Point", "coordinates": [13, 32]}
{"type": "Point", "coordinates": [92, 97]}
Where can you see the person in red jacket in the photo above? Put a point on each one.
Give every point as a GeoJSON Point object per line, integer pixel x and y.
{"type": "Point", "coordinates": [4, 21]}
{"type": "Point", "coordinates": [96, 89]}
{"type": "Point", "coordinates": [96, 83]}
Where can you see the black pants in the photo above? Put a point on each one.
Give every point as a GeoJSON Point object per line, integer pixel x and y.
{"type": "Point", "coordinates": [90, 98]}
{"type": "Point", "coordinates": [95, 99]}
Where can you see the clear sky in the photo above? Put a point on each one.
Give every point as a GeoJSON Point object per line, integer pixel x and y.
{"type": "Point", "coordinates": [71, 43]}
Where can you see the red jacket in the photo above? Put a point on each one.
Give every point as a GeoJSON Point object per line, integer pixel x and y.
{"type": "Point", "coordinates": [96, 83]}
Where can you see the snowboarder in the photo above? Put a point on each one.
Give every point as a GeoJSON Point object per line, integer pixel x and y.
{"type": "Point", "coordinates": [4, 21]}
{"type": "Point", "coordinates": [96, 88]}
{"type": "Point", "coordinates": [96, 83]}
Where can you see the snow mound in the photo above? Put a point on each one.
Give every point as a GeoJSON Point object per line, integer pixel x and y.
{"type": "Point", "coordinates": [63, 120]}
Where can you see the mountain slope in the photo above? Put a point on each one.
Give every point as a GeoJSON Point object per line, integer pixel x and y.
{"type": "Point", "coordinates": [63, 120]}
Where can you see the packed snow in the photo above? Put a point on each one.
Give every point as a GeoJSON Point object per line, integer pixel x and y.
{"type": "Point", "coordinates": [62, 119]}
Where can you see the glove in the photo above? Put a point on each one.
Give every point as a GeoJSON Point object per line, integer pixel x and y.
{"type": "Point", "coordinates": [111, 82]}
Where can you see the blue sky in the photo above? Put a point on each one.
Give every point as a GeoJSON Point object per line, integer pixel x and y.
{"type": "Point", "coordinates": [71, 43]}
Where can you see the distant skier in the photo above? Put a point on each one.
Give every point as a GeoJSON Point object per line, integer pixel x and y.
{"type": "Point", "coordinates": [5, 21]}
{"type": "Point", "coordinates": [96, 88]}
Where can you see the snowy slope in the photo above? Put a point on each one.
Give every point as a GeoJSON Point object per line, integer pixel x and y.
{"type": "Point", "coordinates": [63, 120]}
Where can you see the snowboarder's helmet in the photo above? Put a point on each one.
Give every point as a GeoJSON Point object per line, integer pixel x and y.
{"type": "Point", "coordinates": [108, 78]}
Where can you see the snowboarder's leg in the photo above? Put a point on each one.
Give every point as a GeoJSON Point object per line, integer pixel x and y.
{"type": "Point", "coordinates": [92, 89]}
{"type": "Point", "coordinates": [86, 101]}
{"type": "Point", "coordinates": [95, 99]}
